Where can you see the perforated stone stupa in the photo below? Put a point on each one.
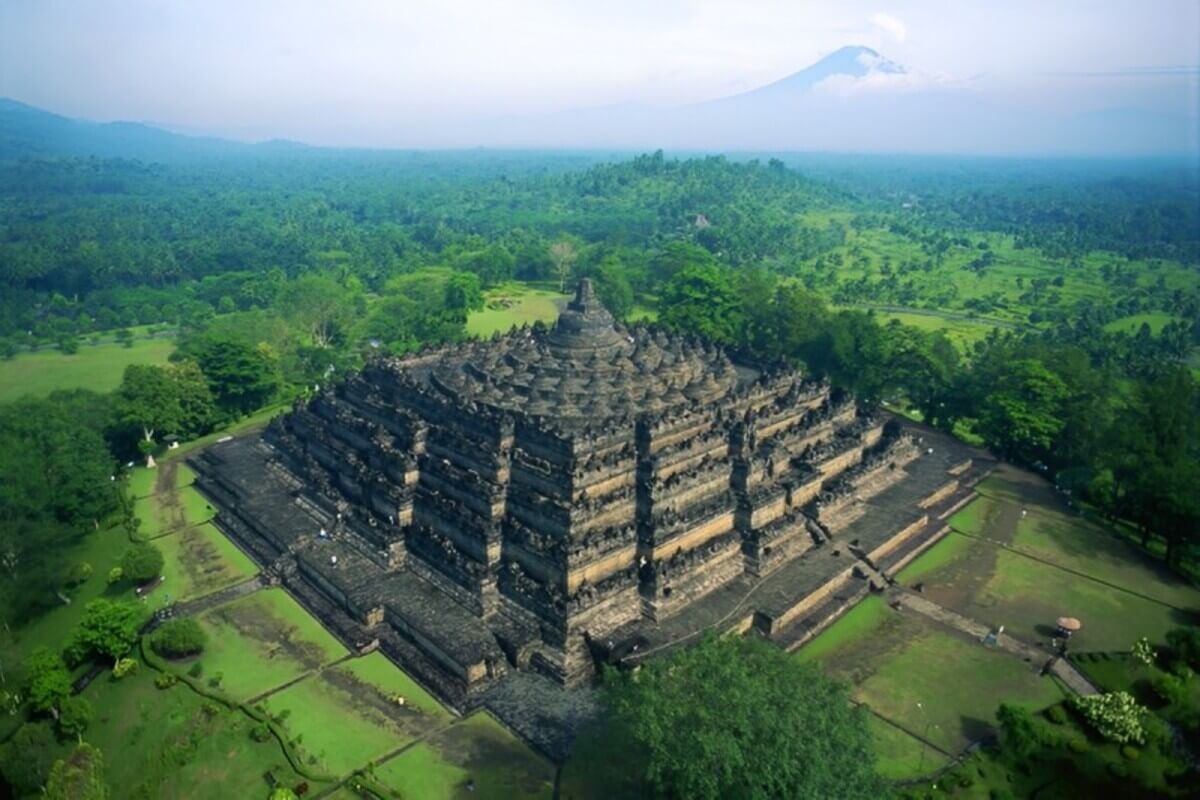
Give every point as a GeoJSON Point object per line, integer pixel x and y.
{"type": "Point", "coordinates": [558, 497]}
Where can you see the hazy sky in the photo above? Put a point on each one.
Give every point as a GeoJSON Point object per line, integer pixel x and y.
{"type": "Point", "coordinates": [360, 71]}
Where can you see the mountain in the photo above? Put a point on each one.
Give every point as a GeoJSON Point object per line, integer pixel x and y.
{"type": "Point", "coordinates": [852, 100]}
{"type": "Point", "coordinates": [851, 62]}
{"type": "Point", "coordinates": [27, 131]}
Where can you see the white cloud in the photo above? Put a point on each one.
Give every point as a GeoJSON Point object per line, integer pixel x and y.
{"type": "Point", "coordinates": [891, 24]}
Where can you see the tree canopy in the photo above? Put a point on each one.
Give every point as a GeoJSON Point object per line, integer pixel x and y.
{"type": "Point", "coordinates": [731, 717]}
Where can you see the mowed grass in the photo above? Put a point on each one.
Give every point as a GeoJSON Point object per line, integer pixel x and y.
{"type": "Point", "coordinates": [900, 755]}
{"type": "Point", "coordinates": [200, 560]}
{"type": "Point", "coordinates": [346, 716]}
{"type": "Point", "coordinates": [173, 744]}
{"type": "Point", "coordinates": [903, 660]}
{"type": "Point", "coordinates": [101, 549]}
{"type": "Point", "coordinates": [474, 758]}
{"type": "Point", "coordinates": [511, 306]}
{"type": "Point", "coordinates": [261, 641]}
{"type": "Point", "coordinates": [858, 622]}
{"type": "Point", "coordinates": [167, 476]}
{"type": "Point", "coordinates": [170, 511]}
{"type": "Point", "coordinates": [97, 367]}
{"type": "Point", "coordinates": [1023, 559]}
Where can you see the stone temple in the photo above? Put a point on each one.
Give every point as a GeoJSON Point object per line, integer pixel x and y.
{"type": "Point", "coordinates": [586, 493]}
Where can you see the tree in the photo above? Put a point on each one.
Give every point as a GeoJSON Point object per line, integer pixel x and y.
{"type": "Point", "coordinates": [47, 680]}
{"type": "Point", "coordinates": [1022, 413]}
{"type": "Point", "coordinates": [27, 758]}
{"type": "Point", "coordinates": [148, 400]}
{"type": "Point", "coordinates": [142, 563]}
{"type": "Point", "coordinates": [732, 717]}
{"type": "Point", "coordinates": [75, 717]}
{"type": "Point", "coordinates": [80, 776]}
{"type": "Point", "coordinates": [107, 629]}
{"type": "Point", "coordinates": [613, 288]}
{"type": "Point", "coordinates": [178, 638]}
{"type": "Point", "coordinates": [563, 253]}
{"type": "Point", "coordinates": [242, 375]}
{"type": "Point", "coordinates": [319, 305]}
{"type": "Point", "coordinates": [1021, 734]}
{"type": "Point", "coordinates": [702, 300]}
{"type": "Point", "coordinates": [463, 292]}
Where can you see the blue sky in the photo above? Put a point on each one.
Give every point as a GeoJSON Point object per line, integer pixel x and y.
{"type": "Point", "coordinates": [373, 72]}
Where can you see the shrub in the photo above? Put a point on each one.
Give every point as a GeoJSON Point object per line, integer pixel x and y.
{"type": "Point", "coordinates": [1185, 644]}
{"type": "Point", "coordinates": [1118, 770]}
{"type": "Point", "coordinates": [1114, 715]}
{"type": "Point", "coordinates": [166, 680]}
{"type": "Point", "coordinates": [74, 715]}
{"type": "Point", "coordinates": [196, 670]}
{"type": "Point", "coordinates": [260, 732]}
{"type": "Point", "coordinates": [179, 638]}
{"type": "Point", "coordinates": [115, 575]}
{"type": "Point", "coordinates": [1056, 714]}
{"type": "Point", "coordinates": [142, 563]}
{"type": "Point", "coordinates": [78, 574]}
{"type": "Point", "coordinates": [210, 708]}
{"type": "Point", "coordinates": [215, 680]}
{"type": "Point", "coordinates": [1143, 652]}
{"type": "Point", "coordinates": [1173, 690]}
{"type": "Point", "coordinates": [1079, 746]}
{"type": "Point", "coordinates": [125, 666]}
{"type": "Point", "coordinates": [1130, 752]}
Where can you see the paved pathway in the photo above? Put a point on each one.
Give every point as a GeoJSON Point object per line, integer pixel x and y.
{"type": "Point", "coordinates": [202, 604]}
{"type": "Point", "coordinates": [1059, 666]}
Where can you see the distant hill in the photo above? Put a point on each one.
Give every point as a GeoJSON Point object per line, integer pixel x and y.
{"type": "Point", "coordinates": [27, 131]}
{"type": "Point", "coordinates": [853, 100]}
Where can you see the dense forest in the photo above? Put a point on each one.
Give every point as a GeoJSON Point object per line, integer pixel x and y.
{"type": "Point", "coordinates": [276, 273]}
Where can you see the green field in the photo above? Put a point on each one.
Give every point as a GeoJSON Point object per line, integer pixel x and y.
{"type": "Point", "coordinates": [261, 641]}
{"type": "Point", "coordinates": [346, 717]}
{"type": "Point", "coordinates": [200, 560]}
{"type": "Point", "coordinates": [895, 267]}
{"type": "Point", "coordinates": [171, 510]}
{"type": "Point", "coordinates": [1132, 324]}
{"type": "Point", "coordinates": [926, 680]}
{"type": "Point", "coordinates": [899, 755]}
{"type": "Point", "coordinates": [513, 305]}
{"type": "Point", "coordinates": [169, 475]}
{"type": "Point", "coordinates": [1020, 558]}
{"type": "Point", "coordinates": [475, 758]}
{"type": "Point", "coordinates": [97, 367]}
{"type": "Point", "coordinates": [101, 549]}
{"type": "Point", "coordinates": [174, 744]}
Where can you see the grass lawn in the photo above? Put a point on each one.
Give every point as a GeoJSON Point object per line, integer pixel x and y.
{"type": "Point", "coordinates": [200, 560]}
{"type": "Point", "coordinates": [96, 367]}
{"type": "Point", "coordinates": [947, 688]}
{"type": "Point", "coordinates": [174, 744]}
{"type": "Point", "coordinates": [1012, 569]}
{"type": "Point", "coordinates": [510, 306]}
{"type": "Point", "coordinates": [168, 475]}
{"type": "Point", "coordinates": [964, 333]}
{"type": "Point", "coordinates": [101, 549]}
{"type": "Point", "coordinates": [475, 758]}
{"type": "Point", "coordinates": [262, 641]}
{"type": "Point", "coordinates": [900, 756]}
{"type": "Point", "coordinates": [171, 510]}
{"type": "Point", "coordinates": [857, 622]}
{"type": "Point", "coordinates": [1155, 319]}
{"type": "Point", "coordinates": [345, 716]}
{"type": "Point", "coordinates": [894, 660]}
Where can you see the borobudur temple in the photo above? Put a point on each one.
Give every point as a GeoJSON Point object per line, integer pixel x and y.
{"type": "Point", "coordinates": [583, 493]}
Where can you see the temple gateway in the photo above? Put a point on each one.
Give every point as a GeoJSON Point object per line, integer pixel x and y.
{"type": "Point", "coordinates": [589, 492]}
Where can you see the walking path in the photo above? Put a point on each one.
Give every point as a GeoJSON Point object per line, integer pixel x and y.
{"type": "Point", "coordinates": [1059, 666]}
